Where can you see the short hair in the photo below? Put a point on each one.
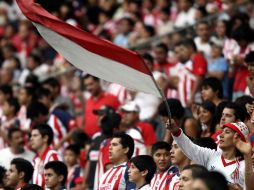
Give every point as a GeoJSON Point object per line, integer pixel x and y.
{"type": "Point", "coordinates": [13, 102]}
{"type": "Point", "coordinates": [196, 170]}
{"type": "Point", "coordinates": [32, 187]}
{"type": "Point", "coordinates": [80, 138]}
{"type": "Point", "coordinates": [110, 122]}
{"type": "Point", "coordinates": [35, 109]}
{"type": "Point", "coordinates": [32, 81]}
{"type": "Point", "coordinates": [30, 91]}
{"type": "Point", "coordinates": [36, 58]}
{"type": "Point", "coordinates": [45, 130]}
{"type": "Point", "coordinates": [59, 168]}
{"type": "Point", "coordinates": [206, 142]}
{"type": "Point", "coordinates": [13, 130]}
{"type": "Point", "coordinates": [25, 166]}
{"type": "Point", "coordinates": [162, 46]}
{"type": "Point", "coordinates": [127, 142]}
{"type": "Point", "coordinates": [160, 145]}
{"type": "Point", "coordinates": [189, 43]}
{"type": "Point", "coordinates": [53, 82]}
{"type": "Point", "coordinates": [242, 101]}
{"type": "Point", "coordinates": [214, 180]}
{"type": "Point", "coordinates": [6, 89]}
{"type": "Point", "coordinates": [129, 20]}
{"type": "Point", "coordinates": [145, 162]}
{"type": "Point", "coordinates": [91, 76]}
{"type": "Point", "coordinates": [175, 106]}
{"type": "Point", "coordinates": [42, 92]}
{"type": "Point", "coordinates": [249, 58]}
{"type": "Point", "coordinates": [148, 57]}
{"type": "Point", "coordinates": [73, 148]}
{"type": "Point", "coordinates": [239, 111]}
{"type": "Point", "coordinates": [215, 84]}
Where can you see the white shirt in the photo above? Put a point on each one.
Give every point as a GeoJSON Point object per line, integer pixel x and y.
{"type": "Point", "coordinates": [7, 156]}
{"type": "Point", "coordinates": [145, 187]}
{"type": "Point", "coordinates": [139, 146]}
{"type": "Point", "coordinates": [212, 159]}
{"type": "Point", "coordinates": [203, 47]}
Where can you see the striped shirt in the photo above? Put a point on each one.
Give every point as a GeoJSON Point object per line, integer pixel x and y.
{"type": "Point", "coordinates": [39, 162]}
{"type": "Point", "coordinates": [114, 178]}
{"type": "Point", "coordinates": [161, 180]}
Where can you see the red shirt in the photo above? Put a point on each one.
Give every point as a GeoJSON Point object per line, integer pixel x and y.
{"type": "Point", "coordinates": [147, 132]}
{"type": "Point", "coordinates": [91, 123]}
{"type": "Point", "coordinates": [199, 64]}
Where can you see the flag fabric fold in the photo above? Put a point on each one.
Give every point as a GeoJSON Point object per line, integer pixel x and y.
{"type": "Point", "coordinates": [89, 53]}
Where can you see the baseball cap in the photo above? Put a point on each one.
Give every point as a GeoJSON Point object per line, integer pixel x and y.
{"type": "Point", "coordinates": [104, 110]}
{"type": "Point", "coordinates": [241, 129]}
{"type": "Point", "coordinates": [130, 107]}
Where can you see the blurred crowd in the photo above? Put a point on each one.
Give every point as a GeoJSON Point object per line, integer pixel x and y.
{"type": "Point", "coordinates": [203, 62]}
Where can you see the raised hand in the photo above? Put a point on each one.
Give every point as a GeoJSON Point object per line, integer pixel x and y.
{"type": "Point", "coordinates": [243, 147]}
{"type": "Point", "coordinates": [171, 126]}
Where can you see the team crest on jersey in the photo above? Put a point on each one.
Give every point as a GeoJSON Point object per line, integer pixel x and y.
{"type": "Point", "coordinates": [115, 177]}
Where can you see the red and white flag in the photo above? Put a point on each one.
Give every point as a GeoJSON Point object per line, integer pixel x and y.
{"type": "Point", "coordinates": [87, 52]}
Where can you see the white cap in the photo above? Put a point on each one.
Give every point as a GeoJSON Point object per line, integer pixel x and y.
{"type": "Point", "coordinates": [240, 128]}
{"type": "Point", "coordinates": [130, 107]}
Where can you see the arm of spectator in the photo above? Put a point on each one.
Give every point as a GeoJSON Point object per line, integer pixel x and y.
{"type": "Point", "coordinates": [250, 84]}
{"type": "Point", "coordinates": [194, 152]}
{"type": "Point", "coordinates": [245, 149]}
{"type": "Point", "coordinates": [85, 172]}
{"type": "Point", "coordinates": [195, 90]}
{"type": "Point", "coordinates": [66, 138]}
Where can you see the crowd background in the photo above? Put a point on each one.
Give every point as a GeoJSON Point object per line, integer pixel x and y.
{"type": "Point", "coordinates": [199, 51]}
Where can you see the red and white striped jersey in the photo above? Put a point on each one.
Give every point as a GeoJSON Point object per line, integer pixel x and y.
{"type": "Point", "coordinates": [139, 145]}
{"type": "Point", "coordinates": [39, 162]}
{"type": "Point", "coordinates": [114, 179]}
{"type": "Point", "coordinates": [173, 182]}
{"type": "Point", "coordinates": [161, 180]}
{"type": "Point", "coordinates": [57, 127]}
{"type": "Point", "coordinates": [120, 92]}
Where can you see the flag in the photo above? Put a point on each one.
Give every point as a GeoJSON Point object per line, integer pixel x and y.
{"type": "Point", "coordinates": [87, 52]}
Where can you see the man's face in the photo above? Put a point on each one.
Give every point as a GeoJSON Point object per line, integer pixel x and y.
{"type": "Point", "coordinates": [176, 154]}
{"type": "Point", "coordinates": [207, 93]}
{"type": "Point", "coordinates": [226, 138]}
{"type": "Point", "coordinates": [36, 140]}
{"type": "Point", "coordinates": [23, 98]}
{"type": "Point", "coordinates": [203, 31]}
{"type": "Point", "coordinates": [251, 69]}
{"type": "Point", "coordinates": [92, 86]}
{"type": "Point", "coordinates": [162, 159]}
{"type": "Point", "coordinates": [116, 151]}
{"type": "Point", "coordinates": [129, 118]}
{"type": "Point", "coordinates": [160, 55]}
{"type": "Point", "coordinates": [186, 180]}
{"type": "Point", "coordinates": [228, 116]}
{"type": "Point", "coordinates": [17, 139]}
{"type": "Point", "coordinates": [70, 158]}
{"type": "Point", "coordinates": [12, 177]}
{"type": "Point", "coordinates": [52, 180]}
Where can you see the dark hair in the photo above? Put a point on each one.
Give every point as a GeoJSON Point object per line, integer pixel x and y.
{"type": "Point", "coordinates": [13, 130]}
{"type": "Point", "coordinates": [196, 170]}
{"type": "Point", "coordinates": [110, 122]}
{"type": "Point", "coordinates": [249, 58]}
{"type": "Point", "coordinates": [91, 76]}
{"type": "Point", "coordinates": [162, 46]}
{"type": "Point", "coordinates": [30, 91]}
{"type": "Point", "coordinates": [214, 180]}
{"type": "Point", "coordinates": [73, 148]}
{"type": "Point", "coordinates": [129, 20]}
{"type": "Point", "coordinates": [53, 82]}
{"type": "Point", "coordinates": [59, 168]}
{"type": "Point", "coordinates": [6, 90]}
{"type": "Point", "coordinates": [45, 130]}
{"type": "Point", "coordinates": [80, 138]}
{"type": "Point", "coordinates": [2, 174]}
{"type": "Point", "coordinates": [43, 92]}
{"type": "Point", "coordinates": [145, 162]}
{"type": "Point", "coordinates": [243, 32]}
{"type": "Point", "coordinates": [219, 110]}
{"type": "Point", "coordinates": [149, 29]}
{"type": "Point", "coordinates": [215, 84]}
{"type": "Point", "coordinates": [32, 187]}
{"type": "Point", "coordinates": [32, 81]}
{"type": "Point", "coordinates": [189, 43]}
{"type": "Point", "coordinates": [239, 112]}
{"type": "Point", "coordinates": [175, 106]}
{"type": "Point", "coordinates": [160, 145]}
{"type": "Point", "coordinates": [148, 57]}
{"type": "Point", "coordinates": [127, 142]}
{"type": "Point", "coordinates": [211, 107]}
{"type": "Point", "coordinates": [35, 109]}
{"type": "Point", "coordinates": [242, 101]}
{"type": "Point", "coordinates": [36, 58]}
{"type": "Point", "coordinates": [13, 102]}
{"type": "Point", "coordinates": [206, 142]}
{"type": "Point", "coordinates": [25, 166]}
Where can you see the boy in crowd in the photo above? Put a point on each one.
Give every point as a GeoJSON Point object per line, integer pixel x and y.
{"type": "Point", "coordinates": [71, 156]}
{"type": "Point", "coordinates": [55, 175]}
{"type": "Point", "coordinates": [19, 174]}
{"type": "Point", "coordinates": [41, 139]}
{"type": "Point", "coordinates": [141, 171]}
{"type": "Point", "coordinates": [120, 151]}
{"type": "Point", "coordinates": [161, 156]}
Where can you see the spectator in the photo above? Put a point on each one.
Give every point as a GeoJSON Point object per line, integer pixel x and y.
{"type": "Point", "coordinates": [98, 98]}
{"type": "Point", "coordinates": [165, 172]}
{"type": "Point", "coordinates": [2, 177]}
{"type": "Point", "coordinates": [41, 138]}
{"type": "Point", "coordinates": [55, 175]}
{"type": "Point", "coordinates": [19, 174]}
{"type": "Point", "coordinates": [141, 171]}
{"type": "Point", "coordinates": [249, 60]}
{"type": "Point", "coordinates": [120, 151]}
{"type": "Point", "coordinates": [16, 148]}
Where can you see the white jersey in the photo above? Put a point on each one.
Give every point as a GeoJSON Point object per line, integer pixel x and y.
{"type": "Point", "coordinates": [162, 180]}
{"type": "Point", "coordinates": [139, 146]}
{"type": "Point", "coordinates": [39, 163]}
{"type": "Point", "coordinates": [145, 187]}
{"type": "Point", "coordinates": [114, 179]}
{"type": "Point", "coordinates": [233, 170]}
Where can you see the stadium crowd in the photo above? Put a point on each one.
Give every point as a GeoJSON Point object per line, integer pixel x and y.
{"type": "Point", "coordinates": [62, 128]}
